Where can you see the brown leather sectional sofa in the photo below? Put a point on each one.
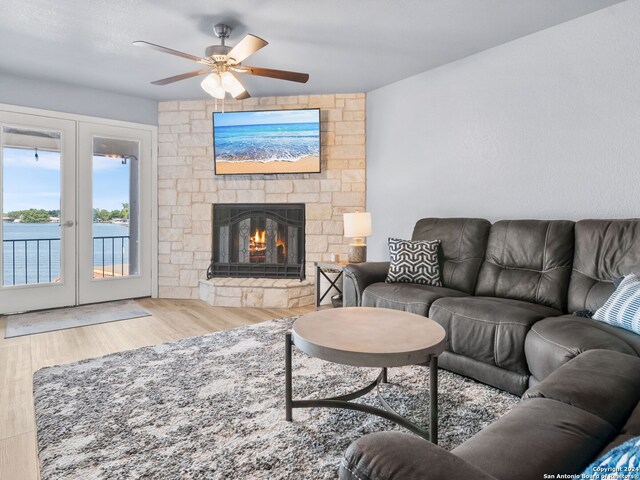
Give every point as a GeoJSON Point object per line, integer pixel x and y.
{"type": "Point", "coordinates": [508, 302]}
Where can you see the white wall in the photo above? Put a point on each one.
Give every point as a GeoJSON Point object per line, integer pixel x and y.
{"type": "Point", "coordinates": [59, 97]}
{"type": "Point", "coordinates": [547, 126]}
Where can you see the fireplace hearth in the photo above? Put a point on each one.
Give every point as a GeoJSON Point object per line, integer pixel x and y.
{"type": "Point", "coordinates": [258, 240]}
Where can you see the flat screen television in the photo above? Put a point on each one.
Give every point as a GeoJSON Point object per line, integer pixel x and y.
{"type": "Point", "coordinates": [266, 142]}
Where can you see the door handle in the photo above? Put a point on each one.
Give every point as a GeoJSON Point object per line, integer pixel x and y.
{"type": "Point", "coordinates": [68, 223]}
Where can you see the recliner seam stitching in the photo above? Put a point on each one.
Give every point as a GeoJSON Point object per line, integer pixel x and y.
{"type": "Point", "coordinates": [604, 238]}
{"type": "Point", "coordinates": [478, 319]}
{"type": "Point", "coordinates": [344, 464]}
{"type": "Point", "coordinates": [554, 343]}
{"type": "Point", "coordinates": [495, 346]}
{"type": "Point", "coordinates": [466, 259]}
{"type": "Point", "coordinates": [589, 276]}
{"type": "Point", "coordinates": [455, 265]}
{"type": "Point", "coordinates": [394, 301]}
{"type": "Point", "coordinates": [464, 225]}
{"type": "Point", "coordinates": [544, 260]}
{"type": "Point", "coordinates": [506, 267]}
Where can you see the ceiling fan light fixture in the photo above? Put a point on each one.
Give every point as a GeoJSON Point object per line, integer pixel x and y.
{"type": "Point", "coordinates": [219, 92]}
{"type": "Point", "coordinates": [210, 83]}
{"type": "Point", "coordinates": [232, 85]}
{"type": "Point", "coordinates": [219, 60]}
{"type": "Point", "coordinates": [229, 82]}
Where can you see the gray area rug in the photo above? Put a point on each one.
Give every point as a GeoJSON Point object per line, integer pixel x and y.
{"type": "Point", "coordinates": [212, 407]}
{"type": "Point", "coordinates": [63, 318]}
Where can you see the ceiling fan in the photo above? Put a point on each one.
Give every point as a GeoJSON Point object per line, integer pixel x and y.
{"type": "Point", "coordinates": [223, 63]}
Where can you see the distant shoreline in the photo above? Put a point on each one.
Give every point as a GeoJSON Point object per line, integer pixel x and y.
{"type": "Point", "coordinates": [304, 164]}
{"type": "Point", "coordinates": [124, 224]}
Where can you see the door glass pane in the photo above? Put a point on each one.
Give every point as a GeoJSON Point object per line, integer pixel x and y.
{"type": "Point", "coordinates": [116, 230]}
{"type": "Point", "coordinates": [31, 199]}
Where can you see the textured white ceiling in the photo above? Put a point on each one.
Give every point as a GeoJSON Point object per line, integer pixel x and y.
{"type": "Point", "coordinates": [345, 45]}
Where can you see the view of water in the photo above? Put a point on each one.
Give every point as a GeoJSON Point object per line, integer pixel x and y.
{"type": "Point", "coordinates": [38, 258]}
{"type": "Point", "coordinates": [266, 143]}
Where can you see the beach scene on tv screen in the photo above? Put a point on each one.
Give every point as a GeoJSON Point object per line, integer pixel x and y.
{"type": "Point", "coordinates": [286, 141]}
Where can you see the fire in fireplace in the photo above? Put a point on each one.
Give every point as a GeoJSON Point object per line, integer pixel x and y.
{"type": "Point", "coordinates": [258, 240]}
{"type": "Point", "coordinates": [258, 248]}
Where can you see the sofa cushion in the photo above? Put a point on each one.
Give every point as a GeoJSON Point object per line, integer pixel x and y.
{"type": "Point", "coordinates": [538, 437]}
{"type": "Point", "coordinates": [405, 296]}
{"type": "Point", "coordinates": [590, 382]}
{"type": "Point", "coordinates": [552, 342]}
{"type": "Point", "coordinates": [622, 309]}
{"type": "Point", "coordinates": [463, 242]}
{"type": "Point", "coordinates": [414, 261]}
{"type": "Point", "coordinates": [528, 260]}
{"type": "Point", "coordinates": [632, 426]}
{"type": "Point", "coordinates": [630, 430]}
{"type": "Point", "coordinates": [401, 456]}
{"type": "Point", "coordinates": [491, 330]}
{"type": "Point", "coordinates": [516, 383]}
{"type": "Point", "coordinates": [604, 250]}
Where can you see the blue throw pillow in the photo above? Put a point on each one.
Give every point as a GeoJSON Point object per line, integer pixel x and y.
{"type": "Point", "coordinates": [620, 463]}
{"type": "Point", "coordinates": [623, 307]}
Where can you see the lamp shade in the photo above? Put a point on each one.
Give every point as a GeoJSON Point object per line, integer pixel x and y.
{"type": "Point", "coordinates": [357, 224]}
{"type": "Point", "coordinates": [210, 83]}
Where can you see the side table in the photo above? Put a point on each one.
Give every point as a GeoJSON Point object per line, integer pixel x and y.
{"type": "Point", "coordinates": [321, 269]}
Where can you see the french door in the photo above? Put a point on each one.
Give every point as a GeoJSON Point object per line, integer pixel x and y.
{"type": "Point", "coordinates": [38, 170]}
{"type": "Point", "coordinates": [114, 213]}
{"type": "Point", "coordinates": [76, 203]}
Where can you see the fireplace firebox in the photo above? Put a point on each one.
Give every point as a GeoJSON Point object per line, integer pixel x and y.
{"type": "Point", "coordinates": [258, 240]}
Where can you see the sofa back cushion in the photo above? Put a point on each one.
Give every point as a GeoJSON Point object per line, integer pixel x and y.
{"type": "Point", "coordinates": [528, 260]}
{"type": "Point", "coordinates": [605, 250]}
{"type": "Point", "coordinates": [462, 245]}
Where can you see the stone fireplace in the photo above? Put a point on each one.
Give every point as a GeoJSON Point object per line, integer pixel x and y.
{"type": "Point", "coordinates": [257, 256]}
{"type": "Point", "coordinates": [258, 240]}
{"type": "Point", "coordinates": [188, 186]}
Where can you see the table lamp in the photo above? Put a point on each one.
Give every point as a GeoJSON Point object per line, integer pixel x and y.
{"type": "Point", "coordinates": [357, 226]}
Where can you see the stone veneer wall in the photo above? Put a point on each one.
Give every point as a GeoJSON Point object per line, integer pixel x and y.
{"type": "Point", "coordinates": [187, 185]}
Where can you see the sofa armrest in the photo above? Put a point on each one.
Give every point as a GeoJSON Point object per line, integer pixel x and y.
{"type": "Point", "coordinates": [401, 456]}
{"type": "Point", "coordinates": [357, 276]}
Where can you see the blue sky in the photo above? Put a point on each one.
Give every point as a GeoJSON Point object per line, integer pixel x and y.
{"type": "Point", "coordinates": [265, 117]}
{"type": "Point", "coordinates": [30, 184]}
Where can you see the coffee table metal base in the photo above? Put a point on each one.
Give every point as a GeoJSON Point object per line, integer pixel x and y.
{"type": "Point", "coordinates": [343, 401]}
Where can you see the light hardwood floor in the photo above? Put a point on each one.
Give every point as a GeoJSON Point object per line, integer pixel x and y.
{"type": "Point", "coordinates": [20, 357]}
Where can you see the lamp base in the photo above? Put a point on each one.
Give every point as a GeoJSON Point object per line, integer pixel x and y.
{"type": "Point", "coordinates": [357, 253]}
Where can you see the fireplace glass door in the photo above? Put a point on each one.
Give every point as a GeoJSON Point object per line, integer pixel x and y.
{"type": "Point", "coordinates": [258, 240]}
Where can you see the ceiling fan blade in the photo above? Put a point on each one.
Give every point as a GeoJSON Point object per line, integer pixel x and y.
{"type": "Point", "coordinates": [270, 72]}
{"type": "Point", "coordinates": [243, 96]}
{"type": "Point", "coordinates": [247, 46]}
{"type": "Point", "coordinates": [160, 48]}
{"type": "Point", "coordinates": [237, 88]}
{"type": "Point", "coordinates": [177, 78]}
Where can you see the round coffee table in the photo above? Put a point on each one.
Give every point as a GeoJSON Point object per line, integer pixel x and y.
{"type": "Point", "coordinates": [368, 337]}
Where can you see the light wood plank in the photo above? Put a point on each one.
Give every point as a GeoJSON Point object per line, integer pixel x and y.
{"type": "Point", "coordinates": [19, 458]}
{"type": "Point", "coordinates": [20, 357]}
{"type": "Point", "coordinates": [16, 396]}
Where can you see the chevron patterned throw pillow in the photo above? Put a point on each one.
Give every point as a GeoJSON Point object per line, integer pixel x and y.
{"type": "Point", "coordinates": [414, 261]}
